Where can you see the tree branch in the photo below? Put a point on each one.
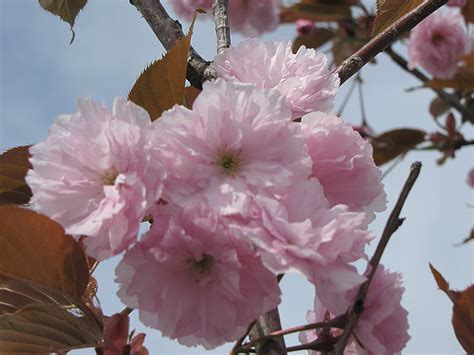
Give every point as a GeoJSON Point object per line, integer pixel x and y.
{"type": "Point", "coordinates": [385, 38]}
{"type": "Point", "coordinates": [450, 99]}
{"type": "Point", "coordinates": [169, 31]}
{"type": "Point", "coordinates": [219, 7]}
{"type": "Point", "coordinates": [393, 223]}
{"type": "Point", "coordinates": [267, 324]}
{"type": "Point", "coordinates": [338, 322]}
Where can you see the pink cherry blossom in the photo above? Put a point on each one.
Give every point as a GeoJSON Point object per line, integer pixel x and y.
{"type": "Point", "coordinates": [97, 174]}
{"type": "Point", "coordinates": [302, 78]}
{"type": "Point", "coordinates": [194, 280]}
{"type": "Point", "coordinates": [343, 163]}
{"type": "Point", "coordinates": [253, 18]}
{"type": "Point", "coordinates": [457, 3]}
{"type": "Point", "coordinates": [321, 314]}
{"type": "Point", "coordinates": [470, 178]}
{"type": "Point", "coordinates": [383, 325]}
{"type": "Point", "coordinates": [304, 26]}
{"type": "Point", "coordinates": [300, 231]}
{"type": "Point", "coordinates": [235, 135]}
{"type": "Point", "coordinates": [187, 8]}
{"type": "Point", "coordinates": [250, 18]}
{"type": "Point", "coordinates": [436, 44]}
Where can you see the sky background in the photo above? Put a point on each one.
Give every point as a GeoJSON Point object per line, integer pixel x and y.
{"type": "Point", "coordinates": [42, 76]}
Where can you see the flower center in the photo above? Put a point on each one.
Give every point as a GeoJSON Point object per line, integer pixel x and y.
{"type": "Point", "coordinates": [110, 176]}
{"type": "Point", "coordinates": [437, 38]}
{"type": "Point", "coordinates": [202, 267]}
{"type": "Point", "coordinates": [229, 162]}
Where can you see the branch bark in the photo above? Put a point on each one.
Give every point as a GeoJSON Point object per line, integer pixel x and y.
{"type": "Point", "coordinates": [219, 7]}
{"type": "Point", "coordinates": [450, 99]}
{"type": "Point", "coordinates": [169, 31]}
{"type": "Point", "coordinates": [385, 38]}
{"type": "Point", "coordinates": [267, 324]}
{"type": "Point", "coordinates": [393, 223]}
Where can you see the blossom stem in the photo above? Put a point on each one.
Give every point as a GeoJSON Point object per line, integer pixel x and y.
{"type": "Point", "coordinates": [322, 345]}
{"type": "Point", "coordinates": [393, 223]}
{"type": "Point", "coordinates": [385, 38]}
{"type": "Point", "coordinates": [169, 31]}
{"type": "Point", "coordinates": [219, 7]}
{"type": "Point", "coordinates": [333, 323]}
{"type": "Point", "coordinates": [127, 311]}
{"type": "Point", "coordinates": [450, 99]}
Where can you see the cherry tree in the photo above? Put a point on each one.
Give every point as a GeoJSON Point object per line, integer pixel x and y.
{"type": "Point", "coordinates": [215, 178]}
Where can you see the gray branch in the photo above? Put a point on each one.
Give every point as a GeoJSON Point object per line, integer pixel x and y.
{"type": "Point", "coordinates": [393, 223]}
{"type": "Point", "coordinates": [219, 7]}
{"type": "Point", "coordinates": [169, 32]}
{"type": "Point", "coordinates": [385, 38]}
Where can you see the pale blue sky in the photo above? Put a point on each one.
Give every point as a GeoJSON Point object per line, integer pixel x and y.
{"type": "Point", "coordinates": [42, 76]}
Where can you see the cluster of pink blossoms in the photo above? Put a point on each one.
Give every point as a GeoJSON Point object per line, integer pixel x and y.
{"type": "Point", "coordinates": [236, 192]}
{"type": "Point", "coordinates": [438, 42]}
{"type": "Point", "coordinates": [250, 18]}
{"type": "Point", "coordinates": [383, 318]}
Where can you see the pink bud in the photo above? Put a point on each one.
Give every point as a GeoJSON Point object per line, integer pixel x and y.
{"type": "Point", "coordinates": [304, 27]}
{"type": "Point", "coordinates": [457, 3]}
{"type": "Point", "coordinates": [470, 178]}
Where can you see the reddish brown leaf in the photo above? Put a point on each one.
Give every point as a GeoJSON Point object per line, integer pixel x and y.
{"type": "Point", "coordinates": [463, 319]}
{"type": "Point", "coordinates": [34, 248]}
{"type": "Point", "coordinates": [67, 10]}
{"type": "Point", "coordinates": [317, 11]}
{"type": "Point", "coordinates": [389, 11]}
{"type": "Point", "coordinates": [190, 94]}
{"type": "Point", "coordinates": [161, 85]}
{"type": "Point", "coordinates": [468, 11]}
{"type": "Point", "coordinates": [443, 285]}
{"type": "Point", "coordinates": [468, 59]}
{"type": "Point", "coordinates": [14, 165]}
{"type": "Point", "coordinates": [116, 332]}
{"type": "Point", "coordinates": [462, 80]}
{"type": "Point", "coordinates": [392, 144]}
{"type": "Point", "coordinates": [438, 107]}
{"type": "Point", "coordinates": [315, 39]}
{"type": "Point", "coordinates": [118, 341]}
{"type": "Point", "coordinates": [46, 328]}
{"type": "Point", "coordinates": [469, 237]}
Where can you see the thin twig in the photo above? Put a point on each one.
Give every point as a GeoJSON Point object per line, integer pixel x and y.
{"type": "Point", "coordinates": [347, 97]}
{"type": "Point", "coordinates": [219, 7]}
{"type": "Point", "coordinates": [324, 345]}
{"type": "Point", "coordinates": [393, 223]}
{"type": "Point", "coordinates": [238, 343]}
{"type": "Point", "coordinates": [361, 101]}
{"type": "Point", "coordinates": [450, 99]}
{"type": "Point", "coordinates": [385, 38]}
{"type": "Point", "coordinates": [338, 322]}
{"type": "Point", "coordinates": [126, 311]}
{"type": "Point", "coordinates": [169, 32]}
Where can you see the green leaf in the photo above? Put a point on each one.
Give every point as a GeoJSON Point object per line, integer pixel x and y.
{"type": "Point", "coordinates": [315, 39]}
{"type": "Point", "coordinates": [392, 144]}
{"type": "Point", "coordinates": [161, 85]}
{"type": "Point", "coordinates": [389, 11]}
{"type": "Point", "coordinates": [35, 249]}
{"type": "Point", "coordinates": [14, 165]}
